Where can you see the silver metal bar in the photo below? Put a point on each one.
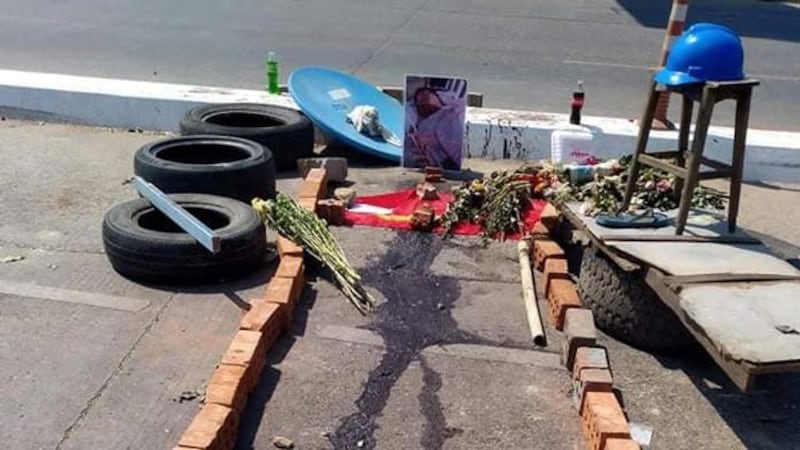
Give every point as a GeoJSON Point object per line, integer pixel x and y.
{"type": "Point", "coordinates": [188, 223]}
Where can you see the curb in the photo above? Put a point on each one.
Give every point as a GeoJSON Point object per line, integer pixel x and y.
{"type": "Point", "coordinates": [603, 420]}
{"type": "Point", "coordinates": [216, 425]}
{"type": "Point", "coordinates": [490, 133]}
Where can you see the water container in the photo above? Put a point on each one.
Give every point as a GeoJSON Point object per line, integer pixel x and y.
{"type": "Point", "coordinates": [571, 146]}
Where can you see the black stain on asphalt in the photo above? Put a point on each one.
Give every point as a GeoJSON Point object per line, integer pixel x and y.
{"type": "Point", "coordinates": [415, 315]}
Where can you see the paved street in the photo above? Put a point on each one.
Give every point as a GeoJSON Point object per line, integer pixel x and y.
{"type": "Point", "coordinates": [522, 54]}
{"type": "Point", "coordinates": [94, 361]}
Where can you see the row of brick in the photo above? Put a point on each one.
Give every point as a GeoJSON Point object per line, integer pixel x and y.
{"type": "Point", "coordinates": [216, 425]}
{"type": "Point", "coordinates": [603, 420]}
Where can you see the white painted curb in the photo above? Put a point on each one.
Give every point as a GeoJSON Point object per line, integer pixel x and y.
{"type": "Point", "coordinates": [491, 133]}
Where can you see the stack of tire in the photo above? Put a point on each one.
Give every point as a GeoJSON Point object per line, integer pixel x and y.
{"type": "Point", "coordinates": [227, 154]}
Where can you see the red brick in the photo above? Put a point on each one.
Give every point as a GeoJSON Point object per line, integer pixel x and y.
{"type": "Point", "coordinates": [314, 185]}
{"type": "Point", "coordinates": [290, 267]}
{"type": "Point", "coordinates": [602, 418]}
{"type": "Point", "coordinates": [544, 249]}
{"type": "Point", "coordinates": [621, 444]}
{"type": "Point", "coordinates": [227, 387]}
{"type": "Point", "coordinates": [550, 217]}
{"type": "Point", "coordinates": [247, 349]}
{"type": "Point", "coordinates": [554, 268]}
{"type": "Point", "coordinates": [288, 248]}
{"type": "Point", "coordinates": [562, 297]}
{"type": "Point", "coordinates": [317, 174]}
{"type": "Point", "coordinates": [282, 291]}
{"type": "Point", "coordinates": [214, 428]}
{"type": "Point", "coordinates": [309, 204]}
{"type": "Point", "coordinates": [540, 231]}
{"type": "Point", "coordinates": [593, 380]}
{"type": "Point", "coordinates": [589, 358]}
{"type": "Point", "coordinates": [268, 318]}
{"type": "Point", "coordinates": [579, 331]}
{"type": "Point", "coordinates": [311, 189]}
{"type": "Point", "coordinates": [331, 210]}
{"type": "Point", "coordinates": [262, 316]}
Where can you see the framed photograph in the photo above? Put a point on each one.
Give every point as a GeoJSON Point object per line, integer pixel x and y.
{"type": "Point", "coordinates": [435, 109]}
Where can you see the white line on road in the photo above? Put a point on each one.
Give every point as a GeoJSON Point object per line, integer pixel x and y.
{"type": "Point", "coordinates": [640, 67]}
{"type": "Point", "coordinates": [604, 64]}
{"type": "Point", "coordinates": [469, 351]}
{"type": "Point", "coordinates": [72, 296]}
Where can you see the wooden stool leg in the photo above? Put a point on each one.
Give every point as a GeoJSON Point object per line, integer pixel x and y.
{"type": "Point", "coordinates": [641, 144]}
{"type": "Point", "coordinates": [739, 139]}
{"type": "Point", "coordinates": [683, 137]}
{"type": "Point", "coordinates": [695, 157]}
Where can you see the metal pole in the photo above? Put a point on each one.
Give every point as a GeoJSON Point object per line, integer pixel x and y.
{"type": "Point", "coordinates": [677, 21]}
{"type": "Point", "coordinates": [529, 294]}
{"type": "Point", "coordinates": [188, 223]}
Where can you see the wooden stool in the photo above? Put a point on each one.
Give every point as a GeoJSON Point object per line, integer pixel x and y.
{"type": "Point", "coordinates": [687, 169]}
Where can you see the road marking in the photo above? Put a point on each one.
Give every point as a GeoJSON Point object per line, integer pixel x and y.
{"type": "Point", "coordinates": [639, 67]}
{"type": "Point", "coordinates": [72, 296]}
{"type": "Point", "coordinates": [469, 351]}
{"type": "Point", "coordinates": [604, 64]}
{"type": "Point", "coordinates": [350, 334]}
{"type": "Point", "coordinates": [498, 354]}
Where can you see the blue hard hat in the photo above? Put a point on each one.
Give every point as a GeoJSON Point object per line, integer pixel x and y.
{"type": "Point", "coordinates": [705, 52]}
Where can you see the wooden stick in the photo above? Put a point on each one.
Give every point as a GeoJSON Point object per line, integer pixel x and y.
{"type": "Point", "coordinates": [529, 294]}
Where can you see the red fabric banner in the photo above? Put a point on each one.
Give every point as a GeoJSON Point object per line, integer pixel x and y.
{"type": "Point", "coordinates": [403, 204]}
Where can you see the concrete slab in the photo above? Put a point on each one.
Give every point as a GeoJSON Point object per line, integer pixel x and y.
{"type": "Point", "coordinates": [691, 404]}
{"type": "Point", "coordinates": [431, 312]}
{"type": "Point", "coordinates": [61, 182]}
{"type": "Point", "coordinates": [57, 359]}
{"type": "Point", "coordinates": [327, 393]}
{"type": "Point", "coordinates": [113, 392]}
{"type": "Point", "coordinates": [141, 406]}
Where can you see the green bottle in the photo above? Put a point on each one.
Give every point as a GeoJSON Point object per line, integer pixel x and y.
{"type": "Point", "coordinates": [272, 74]}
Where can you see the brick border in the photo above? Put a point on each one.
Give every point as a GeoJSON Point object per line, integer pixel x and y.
{"type": "Point", "coordinates": [603, 420]}
{"type": "Point", "coordinates": [216, 425]}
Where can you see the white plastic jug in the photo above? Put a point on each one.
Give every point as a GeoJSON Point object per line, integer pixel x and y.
{"type": "Point", "coordinates": [572, 145]}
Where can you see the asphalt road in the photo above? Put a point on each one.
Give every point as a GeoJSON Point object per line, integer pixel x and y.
{"type": "Point", "coordinates": [521, 54]}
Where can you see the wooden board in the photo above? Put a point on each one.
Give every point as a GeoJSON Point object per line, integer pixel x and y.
{"type": "Point", "coordinates": [693, 258]}
{"type": "Point", "coordinates": [700, 224]}
{"type": "Point", "coordinates": [749, 326]}
{"type": "Point", "coordinates": [742, 319]}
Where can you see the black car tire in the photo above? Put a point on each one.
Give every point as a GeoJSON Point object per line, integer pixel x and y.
{"type": "Point", "coordinates": [217, 165]}
{"type": "Point", "coordinates": [626, 308]}
{"type": "Point", "coordinates": [287, 133]}
{"type": "Point", "coordinates": [143, 244]}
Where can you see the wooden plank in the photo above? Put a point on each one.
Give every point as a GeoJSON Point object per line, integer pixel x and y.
{"type": "Point", "coordinates": [574, 219]}
{"type": "Point", "coordinates": [742, 240]}
{"type": "Point", "coordinates": [529, 294]}
{"type": "Point", "coordinates": [691, 258]}
{"type": "Point", "coordinates": [701, 223]}
{"type": "Point", "coordinates": [754, 322]}
{"type": "Point", "coordinates": [739, 373]}
{"type": "Point", "coordinates": [676, 282]}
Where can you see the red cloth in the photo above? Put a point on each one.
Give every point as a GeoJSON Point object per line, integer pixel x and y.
{"type": "Point", "coordinates": [404, 203]}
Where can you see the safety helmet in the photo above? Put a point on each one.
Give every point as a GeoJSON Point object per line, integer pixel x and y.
{"type": "Point", "coordinates": [705, 52]}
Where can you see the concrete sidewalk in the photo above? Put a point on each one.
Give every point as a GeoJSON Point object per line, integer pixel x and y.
{"type": "Point", "coordinates": [96, 361]}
